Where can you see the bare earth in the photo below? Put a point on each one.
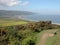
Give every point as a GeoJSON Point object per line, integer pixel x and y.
{"type": "Point", "coordinates": [44, 38]}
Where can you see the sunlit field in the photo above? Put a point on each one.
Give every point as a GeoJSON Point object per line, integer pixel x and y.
{"type": "Point", "coordinates": [11, 22]}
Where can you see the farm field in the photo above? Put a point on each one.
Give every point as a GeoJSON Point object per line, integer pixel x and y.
{"type": "Point", "coordinates": [11, 22]}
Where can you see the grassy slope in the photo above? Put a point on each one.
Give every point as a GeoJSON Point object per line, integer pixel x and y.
{"type": "Point", "coordinates": [11, 22]}
{"type": "Point", "coordinates": [54, 40]}
{"type": "Point", "coordinates": [39, 37]}
{"type": "Point", "coordinates": [57, 42]}
{"type": "Point", "coordinates": [50, 40]}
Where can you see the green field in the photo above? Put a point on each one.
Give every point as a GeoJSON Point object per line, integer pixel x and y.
{"type": "Point", "coordinates": [11, 22]}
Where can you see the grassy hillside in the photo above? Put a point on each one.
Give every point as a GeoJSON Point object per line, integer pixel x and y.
{"type": "Point", "coordinates": [19, 32]}
{"type": "Point", "coordinates": [55, 40]}
{"type": "Point", "coordinates": [43, 38]}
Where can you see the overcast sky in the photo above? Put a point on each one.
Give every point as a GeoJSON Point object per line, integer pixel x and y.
{"type": "Point", "coordinates": [39, 6]}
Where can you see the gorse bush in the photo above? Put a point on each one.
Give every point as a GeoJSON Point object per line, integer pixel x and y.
{"type": "Point", "coordinates": [15, 37]}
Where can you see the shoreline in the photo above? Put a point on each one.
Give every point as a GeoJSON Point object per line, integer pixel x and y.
{"type": "Point", "coordinates": [56, 23]}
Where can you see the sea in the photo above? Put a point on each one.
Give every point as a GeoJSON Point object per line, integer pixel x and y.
{"type": "Point", "coordinates": [53, 18]}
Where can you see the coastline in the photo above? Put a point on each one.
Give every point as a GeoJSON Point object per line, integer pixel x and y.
{"type": "Point", "coordinates": [56, 23]}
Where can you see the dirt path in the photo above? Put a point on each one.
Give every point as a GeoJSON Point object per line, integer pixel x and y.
{"type": "Point", "coordinates": [44, 38]}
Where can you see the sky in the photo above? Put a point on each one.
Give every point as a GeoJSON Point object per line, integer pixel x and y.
{"type": "Point", "coordinates": [38, 6]}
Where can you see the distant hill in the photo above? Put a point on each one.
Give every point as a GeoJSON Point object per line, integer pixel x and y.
{"type": "Point", "coordinates": [14, 13]}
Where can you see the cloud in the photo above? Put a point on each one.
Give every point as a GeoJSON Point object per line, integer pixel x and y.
{"type": "Point", "coordinates": [12, 2]}
{"type": "Point", "coordinates": [9, 2]}
{"type": "Point", "coordinates": [25, 3]}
